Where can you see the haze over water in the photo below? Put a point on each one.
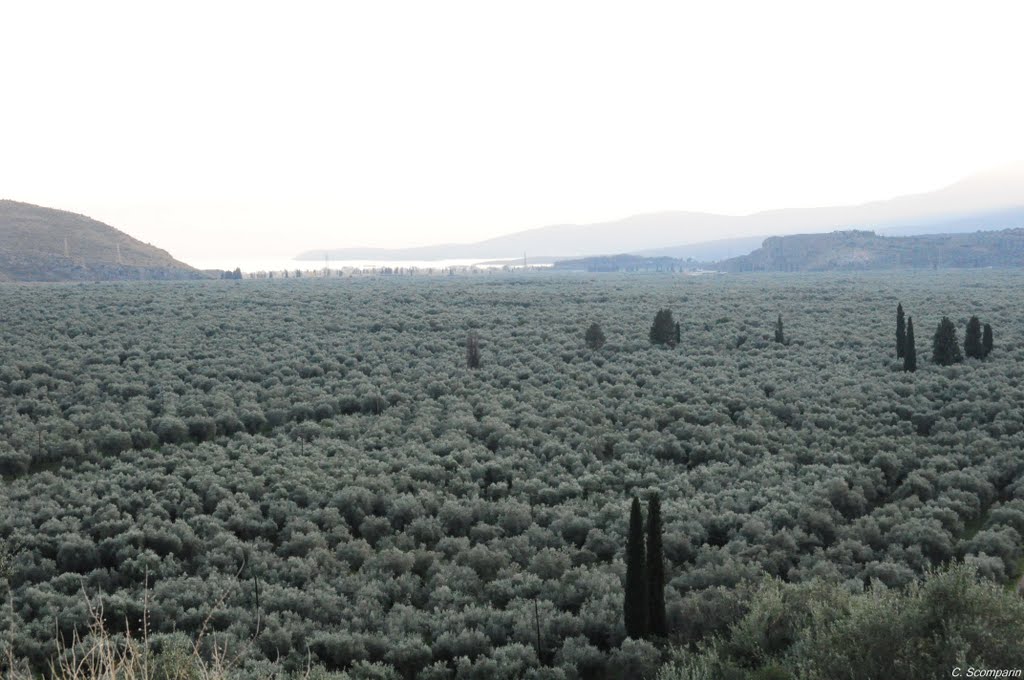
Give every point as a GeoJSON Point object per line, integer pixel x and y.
{"type": "Point", "coordinates": [280, 264]}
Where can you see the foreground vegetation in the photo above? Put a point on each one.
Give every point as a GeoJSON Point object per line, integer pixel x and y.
{"type": "Point", "coordinates": [807, 631]}
{"type": "Point", "coordinates": [822, 631]}
{"type": "Point", "coordinates": [308, 473]}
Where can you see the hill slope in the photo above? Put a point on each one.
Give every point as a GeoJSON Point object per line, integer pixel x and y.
{"type": "Point", "coordinates": [991, 200]}
{"type": "Point", "coordinates": [858, 250]}
{"type": "Point", "coordinates": [43, 244]}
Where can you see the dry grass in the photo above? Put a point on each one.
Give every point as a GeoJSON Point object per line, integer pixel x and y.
{"type": "Point", "coordinates": [101, 654]}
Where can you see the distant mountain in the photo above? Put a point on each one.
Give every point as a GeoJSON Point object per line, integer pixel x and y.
{"type": "Point", "coordinates": [713, 251]}
{"type": "Point", "coordinates": [43, 244]}
{"type": "Point", "coordinates": [1000, 219]}
{"type": "Point", "coordinates": [861, 250]}
{"type": "Point", "coordinates": [988, 200]}
{"type": "Point", "coordinates": [641, 231]}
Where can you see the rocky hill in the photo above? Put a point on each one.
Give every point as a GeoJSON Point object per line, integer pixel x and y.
{"type": "Point", "coordinates": [43, 244]}
{"type": "Point", "coordinates": [858, 250]}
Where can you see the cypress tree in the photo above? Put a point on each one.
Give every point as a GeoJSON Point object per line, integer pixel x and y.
{"type": "Point", "coordinates": [945, 348]}
{"type": "Point", "coordinates": [901, 331]}
{"type": "Point", "coordinates": [594, 337]}
{"type": "Point", "coordinates": [656, 620]}
{"type": "Point", "coordinates": [677, 335]}
{"type": "Point", "coordinates": [909, 351]}
{"type": "Point", "coordinates": [972, 339]}
{"type": "Point", "coordinates": [635, 606]}
{"type": "Point", "coordinates": [472, 351]}
{"type": "Point", "coordinates": [663, 330]}
{"type": "Point", "coordinates": [779, 336]}
{"type": "Point", "coordinates": [986, 340]}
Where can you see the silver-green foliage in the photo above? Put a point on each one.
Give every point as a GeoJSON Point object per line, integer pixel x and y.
{"type": "Point", "coordinates": [325, 440]}
{"type": "Point", "coordinates": [820, 631]}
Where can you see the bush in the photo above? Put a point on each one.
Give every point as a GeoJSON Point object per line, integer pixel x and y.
{"type": "Point", "coordinates": [113, 442]}
{"type": "Point", "coordinates": [821, 631]}
{"type": "Point", "coordinates": [170, 430]}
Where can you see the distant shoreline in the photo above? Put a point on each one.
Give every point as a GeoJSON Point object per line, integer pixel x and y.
{"type": "Point", "coordinates": [252, 265]}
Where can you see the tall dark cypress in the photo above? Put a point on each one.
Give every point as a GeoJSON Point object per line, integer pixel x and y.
{"type": "Point", "coordinates": [945, 348]}
{"type": "Point", "coordinates": [909, 350]}
{"type": "Point", "coordinates": [901, 331]}
{"type": "Point", "coordinates": [656, 620]}
{"type": "Point", "coordinates": [972, 339]}
{"type": "Point", "coordinates": [473, 350]}
{"type": "Point", "coordinates": [986, 340]}
{"type": "Point", "coordinates": [780, 337]}
{"type": "Point", "coordinates": [635, 606]}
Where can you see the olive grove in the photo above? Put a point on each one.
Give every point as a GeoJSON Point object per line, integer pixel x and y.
{"type": "Point", "coordinates": [313, 472]}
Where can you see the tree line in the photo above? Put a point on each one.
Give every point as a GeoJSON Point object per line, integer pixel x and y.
{"type": "Point", "coordinates": [978, 341]}
{"type": "Point", "coordinates": [665, 331]}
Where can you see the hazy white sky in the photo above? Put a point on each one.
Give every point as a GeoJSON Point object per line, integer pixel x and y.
{"type": "Point", "coordinates": [258, 128]}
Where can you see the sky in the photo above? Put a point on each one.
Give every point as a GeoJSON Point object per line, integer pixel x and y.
{"type": "Point", "coordinates": [258, 129]}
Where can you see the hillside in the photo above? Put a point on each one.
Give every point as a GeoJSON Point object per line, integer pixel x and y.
{"type": "Point", "coordinates": [991, 200]}
{"type": "Point", "coordinates": [857, 250]}
{"type": "Point", "coordinates": [43, 244]}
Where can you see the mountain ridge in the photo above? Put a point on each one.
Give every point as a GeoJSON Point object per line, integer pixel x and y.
{"type": "Point", "coordinates": [970, 203]}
